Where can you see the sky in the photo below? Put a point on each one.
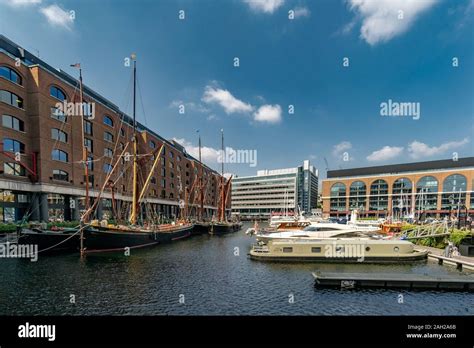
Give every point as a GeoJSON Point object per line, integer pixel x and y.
{"type": "Point", "coordinates": [286, 80]}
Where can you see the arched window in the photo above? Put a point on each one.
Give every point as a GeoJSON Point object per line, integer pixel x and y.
{"type": "Point", "coordinates": [152, 144]}
{"type": "Point", "coordinates": [454, 191]}
{"type": "Point", "coordinates": [10, 75]}
{"type": "Point", "coordinates": [427, 193]}
{"type": "Point", "coordinates": [357, 198]}
{"type": "Point", "coordinates": [58, 135]}
{"type": "Point", "coordinates": [13, 123]}
{"type": "Point", "coordinates": [57, 93]}
{"type": "Point", "coordinates": [108, 121]}
{"type": "Point", "coordinates": [338, 197]}
{"type": "Point", "coordinates": [11, 99]}
{"type": "Point", "coordinates": [401, 195]}
{"type": "Point", "coordinates": [59, 155]}
{"type": "Point", "coordinates": [60, 175]}
{"type": "Point", "coordinates": [12, 145]}
{"type": "Point", "coordinates": [378, 195]}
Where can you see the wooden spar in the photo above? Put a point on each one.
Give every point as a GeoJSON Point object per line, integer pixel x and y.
{"type": "Point", "coordinates": [147, 181]}
{"type": "Point", "coordinates": [84, 149]}
{"type": "Point", "coordinates": [104, 185]}
{"type": "Point", "coordinates": [134, 207]}
{"type": "Point", "coordinates": [201, 187]}
{"type": "Point", "coordinates": [227, 192]}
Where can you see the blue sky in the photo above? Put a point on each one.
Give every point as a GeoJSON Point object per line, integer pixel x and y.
{"type": "Point", "coordinates": [401, 50]}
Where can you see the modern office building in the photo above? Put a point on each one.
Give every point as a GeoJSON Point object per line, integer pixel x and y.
{"type": "Point", "coordinates": [41, 168]}
{"type": "Point", "coordinates": [435, 188]}
{"type": "Point", "coordinates": [275, 191]}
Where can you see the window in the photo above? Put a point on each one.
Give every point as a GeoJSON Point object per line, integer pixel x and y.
{"type": "Point", "coordinates": [13, 169]}
{"type": "Point", "coordinates": [152, 144]}
{"type": "Point", "coordinates": [60, 175]}
{"type": "Point", "coordinates": [12, 145]}
{"type": "Point", "coordinates": [171, 154]}
{"type": "Point", "coordinates": [454, 191]}
{"type": "Point", "coordinates": [88, 128]}
{"type": "Point", "coordinates": [122, 132]}
{"type": "Point", "coordinates": [338, 199]}
{"type": "Point", "coordinates": [58, 135]}
{"type": "Point", "coordinates": [91, 180]}
{"type": "Point", "coordinates": [108, 152]}
{"type": "Point", "coordinates": [90, 162]}
{"type": "Point", "coordinates": [153, 180]}
{"type": "Point", "coordinates": [55, 92]}
{"type": "Point", "coordinates": [163, 183]}
{"type": "Point", "coordinates": [316, 249]}
{"type": "Point", "coordinates": [11, 99]}
{"type": "Point", "coordinates": [10, 74]}
{"type": "Point", "coordinates": [108, 121]}
{"type": "Point", "coordinates": [107, 167]}
{"type": "Point", "coordinates": [59, 155]}
{"type": "Point", "coordinates": [108, 137]}
{"type": "Point", "coordinates": [163, 172]}
{"type": "Point", "coordinates": [287, 249]}
{"type": "Point", "coordinates": [171, 165]}
{"type": "Point", "coordinates": [401, 195]}
{"type": "Point", "coordinates": [178, 158]}
{"type": "Point", "coordinates": [89, 144]}
{"type": "Point", "coordinates": [427, 193]}
{"type": "Point", "coordinates": [357, 195]}
{"type": "Point", "coordinates": [13, 123]}
{"type": "Point", "coordinates": [58, 114]}
{"type": "Point", "coordinates": [378, 195]}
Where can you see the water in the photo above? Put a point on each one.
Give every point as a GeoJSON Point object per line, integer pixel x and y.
{"type": "Point", "coordinates": [204, 271]}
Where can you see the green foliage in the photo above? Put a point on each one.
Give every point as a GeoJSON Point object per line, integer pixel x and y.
{"type": "Point", "coordinates": [63, 224]}
{"type": "Point", "coordinates": [457, 236]}
{"type": "Point", "coordinates": [6, 228]}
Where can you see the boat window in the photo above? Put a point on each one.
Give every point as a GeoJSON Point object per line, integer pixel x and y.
{"type": "Point", "coordinates": [287, 250]}
{"type": "Point", "coordinates": [367, 249]}
{"type": "Point", "coordinates": [396, 249]}
{"type": "Point", "coordinates": [316, 249]}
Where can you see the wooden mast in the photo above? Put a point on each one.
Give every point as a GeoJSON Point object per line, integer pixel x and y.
{"type": "Point", "coordinates": [222, 210]}
{"type": "Point", "coordinates": [201, 187]}
{"type": "Point", "coordinates": [133, 213]}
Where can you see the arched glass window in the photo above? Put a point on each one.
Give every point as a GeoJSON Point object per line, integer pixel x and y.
{"type": "Point", "coordinates": [11, 99]}
{"type": "Point", "coordinates": [338, 197]}
{"type": "Point", "coordinates": [454, 191]}
{"type": "Point", "coordinates": [401, 195]}
{"type": "Point", "coordinates": [57, 93]}
{"type": "Point", "coordinates": [108, 152]}
{"type": "Point", "coordinates": [13, 123]}
{"type": "Point", "coordinates": [152, 144]}
{"type": "Point", "coordinates": [12, 145]}
{"type": "Point", "coordinates": [427, 193]}
{"type": "Point", "coordinates": [60, 175]}
{"type": "Point", "coordinates": [59, 155]}
{"type": "Point", "coordinates": [10, 75]}
{"type": "Point", "coordinates": [108, 121]}
{"type": "Point", "coordinates": [58, 135]}
{"type": "Point", "coordinates": [378, 195]}
{"type": "Point", "coordinates": [357, 195]}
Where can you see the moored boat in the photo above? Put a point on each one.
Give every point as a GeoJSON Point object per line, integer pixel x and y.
{"type": "Point", "coordinates": [50, 240]}
{"type": "Point", "coordinates": [345, 250]}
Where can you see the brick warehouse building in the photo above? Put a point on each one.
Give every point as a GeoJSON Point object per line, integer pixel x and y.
{"type": "Point", "coordinates": [40, 152]}
{"type": "Point", "coordinates": [433, 187]}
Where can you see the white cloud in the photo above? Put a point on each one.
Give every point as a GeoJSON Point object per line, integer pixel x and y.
{"type": "Point", "coordinates": [302, 12]}
{"type": "Point", "coordinates": [208, 154]}
{"type": "Point", "coordinates": [225, 99]}
{"type": "Point", "coordinates": [21, 3]}
{"type": "Point", "coordinates": [56, 16]}
{"type": "Point", "coordinates": [264, 6]}
{"type": "Point", "coordinates": [385, 153]}
{"type": "Point", "coordinates": [380, 18]}
{"type": "Point", "coordinates": [268, 113]}
{"type": "Point", "coordinates": [341, 147]}
{"type": "Point", "coordinates": [418, 149]}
